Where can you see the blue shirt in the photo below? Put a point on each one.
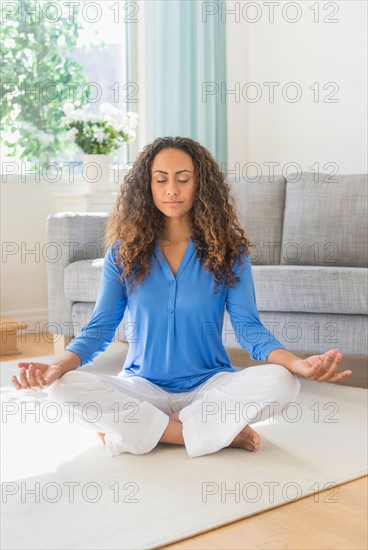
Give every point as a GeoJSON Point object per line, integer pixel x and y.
{"type": "Point", "coordinates": [174, 323]}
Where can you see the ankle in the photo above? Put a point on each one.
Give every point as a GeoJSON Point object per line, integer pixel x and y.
{"type": "Point", "coordinates": [173, 433]}
{"type": "Point", "coordinates": [175, 416]}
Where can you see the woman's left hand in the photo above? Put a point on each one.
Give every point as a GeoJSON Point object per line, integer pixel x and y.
{"type": "Point", "coordinates": [321, 368]}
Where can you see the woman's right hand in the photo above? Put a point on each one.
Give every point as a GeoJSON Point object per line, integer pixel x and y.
{"type": "Point", "coordinates": [40, 375]}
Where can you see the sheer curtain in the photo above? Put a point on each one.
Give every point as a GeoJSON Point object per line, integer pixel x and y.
{"type": "Point", "coordinates": [176, 63]}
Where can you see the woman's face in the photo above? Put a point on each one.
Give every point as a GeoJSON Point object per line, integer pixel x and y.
{"type": "Point", "coordinates": [173, 182]}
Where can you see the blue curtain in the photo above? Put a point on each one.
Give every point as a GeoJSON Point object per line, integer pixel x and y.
{"type": "Point", "coordinates": [185, 53]}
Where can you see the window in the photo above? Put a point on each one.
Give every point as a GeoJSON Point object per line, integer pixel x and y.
{"type": "Point", "coordinates": [36, 34]}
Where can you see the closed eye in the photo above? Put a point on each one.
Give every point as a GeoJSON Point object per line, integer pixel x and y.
{"type": "Point", "coordinates": [163, 181]}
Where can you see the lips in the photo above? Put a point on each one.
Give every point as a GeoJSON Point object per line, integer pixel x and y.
{"type": "Point", "coordinates": [173, 202]}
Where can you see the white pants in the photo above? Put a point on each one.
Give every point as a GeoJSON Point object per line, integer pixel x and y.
{"type": "Point", "coordinates": [133, 412]}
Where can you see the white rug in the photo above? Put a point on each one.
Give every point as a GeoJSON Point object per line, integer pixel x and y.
{"type": "Point", "coordinates": [148, 501]}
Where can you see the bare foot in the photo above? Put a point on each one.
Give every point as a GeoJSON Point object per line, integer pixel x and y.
{"type": "Point", "coordinates": [102, 437]}
{"type": "Point", "coordinates": [247, 439]}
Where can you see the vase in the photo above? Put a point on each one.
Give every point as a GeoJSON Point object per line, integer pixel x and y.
{"type": "Point", "coordinates": [96, 172]}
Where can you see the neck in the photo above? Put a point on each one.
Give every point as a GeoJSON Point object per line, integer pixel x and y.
{"type": "Point", "coordinates": [175, 240]}
{"type": "Point", "coordinates": [176, 231]}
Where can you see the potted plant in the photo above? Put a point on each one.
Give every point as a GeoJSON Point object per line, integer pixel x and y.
{"type": "Point", "coordinates": [98, 135]}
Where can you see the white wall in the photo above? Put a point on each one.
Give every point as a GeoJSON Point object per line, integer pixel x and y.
{"type": "Point", "coordinates": [305, 52]}
{"type": "Point", "coordinates": [24, 209]}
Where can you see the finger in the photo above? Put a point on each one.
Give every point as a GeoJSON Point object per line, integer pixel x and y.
{"type": "Point", "coordinates": [16, 384]}
{"type": "Point", "coordinates": [41, 381]}
{"type": "Point", "coordinates": [22, 365]}
{"type": "Point", "coordinates": [34, 383]}
{"type": "Point", "coordinates": [23, 379]}
{"type": "Point", "coordinates": [327, 359]}
{"type": "Point", "coordinates": [332, 369]}
{"type": "Point", "coordinates": [329, 371]}
{"type": "Point", "coordinates": [31, 375]}
{"type": "Point", "coordinates": [323, 361]}
{"type": "Point", "coordinates": [341, 375]}
{"type": "Point", "coordinates": [321, 367]}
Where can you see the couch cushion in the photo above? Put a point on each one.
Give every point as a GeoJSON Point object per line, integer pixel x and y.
{"type": "Point", "coordinates": [260, 206]}
{"type": "Point", "coordinates": [326, 223]}
{"type": "Point", "coordinates": [278, 288]}
{"type": "Point", "coordinates": [82, 280]}
{"type": "Point", "coordinates": [308, 332]}
{"type": "Point", "coordinates": [312, 289]}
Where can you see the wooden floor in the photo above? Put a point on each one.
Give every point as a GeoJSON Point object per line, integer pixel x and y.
{"type": "Point", "coordinates": [311, 523]}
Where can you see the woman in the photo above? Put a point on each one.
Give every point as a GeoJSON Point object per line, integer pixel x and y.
{"type": "Point", "coordinates": [176, 256]}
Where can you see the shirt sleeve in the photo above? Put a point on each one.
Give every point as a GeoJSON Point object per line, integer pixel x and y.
{"type": "Point", "coordinates": [241, 305]}
{"type": "Point", "coordinates": [108, 312]}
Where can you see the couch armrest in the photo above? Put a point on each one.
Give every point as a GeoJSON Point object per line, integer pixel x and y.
{"type": "Point", "coordinates": [70, 236]}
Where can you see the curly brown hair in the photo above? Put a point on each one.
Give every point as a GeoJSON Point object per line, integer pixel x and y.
{"type": "Point", "coordinates": [216, 231]}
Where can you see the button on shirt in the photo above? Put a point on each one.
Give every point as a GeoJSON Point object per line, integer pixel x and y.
{"type": "Point", "coordinates": [174, 323]}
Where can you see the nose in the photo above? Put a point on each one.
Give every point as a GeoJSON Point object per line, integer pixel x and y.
{"type": "Point", "coordinates": [172, 191]}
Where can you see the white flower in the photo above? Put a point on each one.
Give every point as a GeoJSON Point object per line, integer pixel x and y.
{"type": "Point", "coordinates": [109, 109]}
{"type": "Point", "coordinates": [112, 114]}
{"type": "Point", "coordinates": [131, 134]}
{"type": "Point", "coordinates": [78, 115]}
{"type": "Point", "coordinates": [108, 118]}
{"type": "Point", "coordinates": [112, 118]}
{"type": "Point", "coordinates": [72, 133]}
{"type": "Point", "coordinates": [99, 134]}
{"type": "Point", "coordinates": [9, 43]}
{"type": "Point", "coordinates": [68, 107]}
{"type": "Point", "coordinates": [74, 113]}
{"type": "Point", "coordinates": [117, 127]}
{"type": "Point", "coordinates": [91, 117]}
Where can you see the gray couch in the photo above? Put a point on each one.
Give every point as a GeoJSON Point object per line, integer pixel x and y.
{"type": "Point", "coordinates": [310, 266]}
